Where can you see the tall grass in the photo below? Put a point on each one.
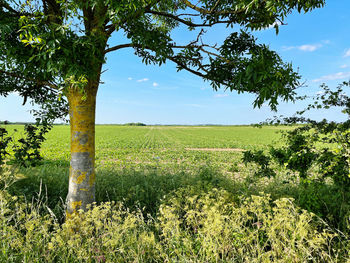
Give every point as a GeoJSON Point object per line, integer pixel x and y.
{"type": "Point", "coordinates": [193, 220]}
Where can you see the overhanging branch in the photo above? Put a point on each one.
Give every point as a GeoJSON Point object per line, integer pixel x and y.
{"type": "Point", "coordinates": [119, 47]}
{"type": "Point", "coordinates": [138, 13]}
{"type": "Point", "coordinates": [171, 58]}
{"type": "Point", "coordinates": [38, 82]}
{"type": "Point", "coordinates": [183, 21]}
{"type": "Point", "coordinates": [212, 11]}
{"type": "Point", "coordinates": [200, 47]}
{"type": "Point", "coordinates": [183, 66]}
{"type": "Point", "coordinates": [9, 8]}
{"type": "Point", "coordinates": [12, 12]}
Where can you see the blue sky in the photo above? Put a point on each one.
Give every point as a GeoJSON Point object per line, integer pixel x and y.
{"type": "Point", "coordinates": [317, 43]}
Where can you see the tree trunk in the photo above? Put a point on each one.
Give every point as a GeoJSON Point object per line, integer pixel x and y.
{"type": "Point", "coordinates": [81, 191]}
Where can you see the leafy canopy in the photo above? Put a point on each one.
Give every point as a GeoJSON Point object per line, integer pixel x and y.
{"type": "Point", "coordinates": [49, 45]}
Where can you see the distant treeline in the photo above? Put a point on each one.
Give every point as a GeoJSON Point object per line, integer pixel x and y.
{"type": "Point", "coordinates": [18, 123]}
{"type": "Point", "coordinates": [135, 124]}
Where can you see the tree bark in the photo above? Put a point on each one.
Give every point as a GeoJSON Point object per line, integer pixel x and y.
{"type": "Point", "coordinates": [81, 191]}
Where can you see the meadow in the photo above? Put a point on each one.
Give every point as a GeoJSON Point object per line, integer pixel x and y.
{"type": "Point", "coordinates": [171, 194]}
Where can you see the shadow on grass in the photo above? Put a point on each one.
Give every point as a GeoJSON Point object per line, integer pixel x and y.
{"type": "Point", "coordinates": [136, 189]}
{"type": "Point", "coordinates": [146, 189]}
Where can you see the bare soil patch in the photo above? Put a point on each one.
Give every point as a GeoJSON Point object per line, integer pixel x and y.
{"type": "Point", "coordinates": [183, 127]}
{"type": "Point", "coordinates": [216, 149]}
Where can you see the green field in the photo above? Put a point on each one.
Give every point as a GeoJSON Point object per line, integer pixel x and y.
{"type": "Point", "coordinates": [167, 148]}
{"type": "Point", "coordinates": [182, 194]}
{"type": "Point", "coordinates": [163, 145]}
{"type": "Point", "coordinates": [126, 154]}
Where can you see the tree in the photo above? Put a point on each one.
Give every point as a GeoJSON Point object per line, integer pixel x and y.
{"type": "Point", "coordinates": [61, 46]}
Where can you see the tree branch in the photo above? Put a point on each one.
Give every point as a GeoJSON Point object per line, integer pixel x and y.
{"type": "Point", "coordinates": [212, 11]}
{"type": "Point", "coordinates": [38, 82]}
{"type": "Point", "coordinates": [201, 47]}
{"type": "Point", "coordinates": [183, 21]}
{"type": "Point", "coordinates": [138, 13]}
{"type": "Point", "coordinates": [119, 47]}
{"type": "Point", "coordinates": [186, 67]}
{"type": "Point", "coordinates": [174, 59]}
{"type": "Point", "coordinates": [52, 11]}
{"type": "Point", "coordinates": [191, 45]}
{"type": "Point", "coordinates": [13, 12]}
{"type": "Point", "coordinates": [9, 8]}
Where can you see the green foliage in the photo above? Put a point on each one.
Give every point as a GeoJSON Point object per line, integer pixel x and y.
{"type": "Point", "coordinates": [4, 142]}
{"type": "Point", "coordinates": [258, 70]}
{"type": "Point", "coordinates": [43, 46]}
{"type": "Point", "coordinates": [260, 159]}
{"type": "Point", "coordinates": [27, 150]}
{"type": "Point", "coordinates": [322, 145]}
{"type": "Point", "coordinates": [297, 155]}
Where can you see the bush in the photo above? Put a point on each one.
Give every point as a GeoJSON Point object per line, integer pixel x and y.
{"type": "Point", "coordinates": [4, 142]}
{"type": "Point", "coordinates": [322, 147]}
{"type": "Point", "coordinates": [210, 227]}
{"type": "Point", "coordinates": [27, 149]}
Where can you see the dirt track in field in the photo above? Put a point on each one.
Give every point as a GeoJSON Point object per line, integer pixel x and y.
{"type": "Point", "coordinates": [216, 149]}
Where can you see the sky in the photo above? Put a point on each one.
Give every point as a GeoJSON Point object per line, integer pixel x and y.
{"type": "Point", "coordinates": [317, 44]}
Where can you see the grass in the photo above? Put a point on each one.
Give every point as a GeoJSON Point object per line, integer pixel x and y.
{"type": "Point", "coordinates": [158, 201]}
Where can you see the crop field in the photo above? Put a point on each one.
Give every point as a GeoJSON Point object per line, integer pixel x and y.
{"type": "Point", "coordinates": [169, 149]}
{"type": "Point", "coordinates": [162, 150]}
{"type": "Point", "coordinates": [170, 145]}
{"type": "Point", "coordinates": [172, 194]}
{"type": "Point", "coordinates": [164, 146]}
{"type": "Point", "coordinates": [126, 154]}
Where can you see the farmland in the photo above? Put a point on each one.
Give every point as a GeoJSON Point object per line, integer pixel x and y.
{"type": "Point", "coordinates": [128, 153]}
{"type": "Point", "coordinates": [139, 146]}
{"type": "Point", "coordinates": [182, 194]}
{"type": "Point", "coordinates": [169, 149]}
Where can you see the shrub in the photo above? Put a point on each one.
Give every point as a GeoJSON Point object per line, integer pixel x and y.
{"type": "Point", "coordinates": [4, 142]}
{"type": "Point", "coordinates": [323, 145]}
{"type": "Point", "coordinates": [210, 227]}
{"type": "Point", "coordinates": [27, 150]}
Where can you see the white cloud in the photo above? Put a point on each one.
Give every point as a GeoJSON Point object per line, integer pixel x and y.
{"type": "Point", "coordinates": [347, 53]}
{"type": "Point", "coordinates": [129, 78]}
{"type": "Point", "coordinates": [221, 95]}
{"type": "Point", "coordinates": [335, 76]}
{"type": "Point", "coordinates": [306, 48]}
{"type": "Point", "coordinates": [155, 84]}
{"type": "Point", "coordinates": [143, 80]}
{"type": "Point", "coordinates": [309, 48]}
{"type": "Point", "coordinates": [344, 66]}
